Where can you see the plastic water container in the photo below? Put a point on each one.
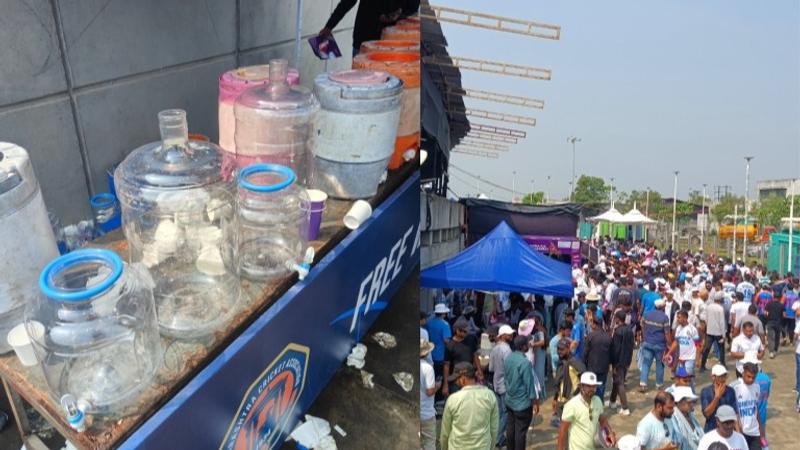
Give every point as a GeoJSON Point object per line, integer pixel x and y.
{"type": "Point", "coordinates": [27, 242]}
{"type": "Point", "coordinates": [355, 131]}
{"type": "Point", "coordinates": [100, 342]}
{"type": "Point", "coordinates": [274, 123]}
{"type": "Point", "coordinates": [231, 84]}
{"type": "Point", "coordinates": [273, 215]}
{"type": "Point", "coordinates": [178, 217]}
{"type": "Point", "coordinates": [389, 46]}
{"type": "Point", "coordinates": [105, 208]}
{"type": "Point", "coordinates": [406, 30]}
{"type": "Point", "coordinates": [403, 65]}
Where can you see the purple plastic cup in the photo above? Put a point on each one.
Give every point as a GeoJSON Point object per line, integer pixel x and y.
{"type": "Point", "coordinates": [317, 200]}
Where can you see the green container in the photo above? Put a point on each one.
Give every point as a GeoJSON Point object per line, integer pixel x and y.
{"type": "Point", "coordinates": [778, 253]}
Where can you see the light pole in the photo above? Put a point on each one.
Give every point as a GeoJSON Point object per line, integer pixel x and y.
{"type": "Point", "coordinates": [705, 219]}
{"type": "Point", "coordinates": [791, 228]}
{"type": "Point", "coordinates": [531, 199]}
{"type": "Point", "coordinates": [513, 186]}
{"type": "Point", "coordinates": [611, 193]}
{"type": "Point", "coordinates": [547, 190]}
{"type": "Point", "coordinates": [746, 191]}
{"type": "Point", "coordinates": [478, 186]}
{"type": "Point", "coordinates": [646, 210]}
{"type": "Point", "coordinates": [674, 207]}
{"type": "Point", "coordinates": [572, 140]}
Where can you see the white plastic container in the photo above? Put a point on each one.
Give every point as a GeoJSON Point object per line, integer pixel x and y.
{"type": "Point", "coordinates": [355, 131]}
{"type": "Point", "coordinates": [27, 243]}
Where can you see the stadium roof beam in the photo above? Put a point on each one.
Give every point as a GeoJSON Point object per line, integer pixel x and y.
{"type": "Point", "coordinates": [491, 22]}
{"type": "Point", "coordinates": [481, 65]}
{"type": "Point", "coordinates": [495, 130]}
{"type": "Point", "coordinates": [491, 137]}
{"type": "Point", "coordinates": [484, 145]}
{"type": "Point", "coordinates": [474, 152]}
{"type": "Point", "coordinates": [496, 97]}
{"type": "Point", "coordinates": [491, 115]}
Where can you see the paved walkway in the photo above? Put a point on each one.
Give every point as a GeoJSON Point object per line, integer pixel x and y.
{"type": "Point", "coordinates": [783, 423]}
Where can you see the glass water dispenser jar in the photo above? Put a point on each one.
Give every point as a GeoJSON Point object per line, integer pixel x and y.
{"type": "Point", "coordinates": [273, 215]}
{"type": "Point", "coordinates": [94, 329]}
{"type": "Point", "coordinates": [274, 124]}
{"type": "Point", "coordinates": [27, 242]}
{"type": "Point", "coordinates": [178, 216]}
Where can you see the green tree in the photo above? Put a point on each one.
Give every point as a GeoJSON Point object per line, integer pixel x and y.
{"type": "Point", "coordinates": [590, 190]}
{"type": "Point", "coordinates": [533, 198]}
{"type": "Point", "coordinates": [771, 210]}
{"type": "Point", "coordinates": [696, 197]}
{"type": "Point", "coordinates": [725, 207]}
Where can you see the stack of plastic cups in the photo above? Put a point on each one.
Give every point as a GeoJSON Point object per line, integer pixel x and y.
{"type": "Point", "coordinates": [403, 65]}
{"type": "Point", "coordinates": [389, 46]}
{"type": "Point", "coordinates": [402, 31]}
{"type": "Point", "coordinates": [231, 84]}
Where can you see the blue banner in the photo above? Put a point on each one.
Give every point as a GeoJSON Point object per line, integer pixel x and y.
{"type": "Point", "coordinates": [252, 395]}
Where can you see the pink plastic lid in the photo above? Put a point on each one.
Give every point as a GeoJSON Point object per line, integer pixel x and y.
{"type": "Point", "coordinates": [360, 77]}
{"type": "Point", "coordinates": [233, 82]}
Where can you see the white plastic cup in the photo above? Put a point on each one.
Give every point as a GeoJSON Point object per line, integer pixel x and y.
{"type": "Point", "coordinates": [359, 212]}
{"type": "Point", "coordinates": [19, 340]}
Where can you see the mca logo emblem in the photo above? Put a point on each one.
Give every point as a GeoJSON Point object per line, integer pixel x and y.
{"type": "Point", "coordinates": [267, 405]}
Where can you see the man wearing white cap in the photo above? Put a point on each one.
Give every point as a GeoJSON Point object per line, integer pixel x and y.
{"type": "Point", "coordinates": [687, 430]}
{"type": "Point", "coordinates": [716, 395]}
{"type": "Point", "coordinates": [582, 416]}
{"type": "Point", "coordinates": [497, 358]}
{"type": "Point", "coordinates": [724, 432]}
{"type": "Point", "coordinates": [439, 333]}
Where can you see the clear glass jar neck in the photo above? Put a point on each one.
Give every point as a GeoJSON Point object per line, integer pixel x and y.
{"type": "Point", "coordinates": [278, 73]}
{"type": "Point", "coordinates": [173, 127]}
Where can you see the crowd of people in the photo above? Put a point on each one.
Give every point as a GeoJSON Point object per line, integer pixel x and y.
{"type": "Point", "coordinates": [485, 372]}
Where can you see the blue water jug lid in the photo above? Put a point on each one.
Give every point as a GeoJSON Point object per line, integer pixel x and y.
{"type": "Point", "coordinates": [288, 174]}
{"type": "Point", "coordinates": [93, 255]}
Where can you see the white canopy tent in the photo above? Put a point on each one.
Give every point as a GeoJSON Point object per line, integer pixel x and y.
{"type": "Point", "coordinates": [612, 215]}
{"type": "Point", "coordinates": [634, 216]}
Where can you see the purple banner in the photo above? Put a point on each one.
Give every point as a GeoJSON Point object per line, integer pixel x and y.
{"type": "Point", "coordinates": [565, 248]}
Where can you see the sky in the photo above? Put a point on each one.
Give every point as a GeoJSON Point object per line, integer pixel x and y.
{"type": "Point", "coordinates": [649, 88]}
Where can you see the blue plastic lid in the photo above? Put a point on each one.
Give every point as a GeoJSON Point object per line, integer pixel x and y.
{"type": "Point", "coordinates": [288, 174]}
{"type": "Point", "coordinates": [102, 256]}
{"type": "Point", "coordinates": [103, 200]}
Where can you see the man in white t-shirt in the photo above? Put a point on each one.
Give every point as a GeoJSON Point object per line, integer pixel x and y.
{"type": "Point", "coordinates": [738, 309]}
{"type": "Point", "coordinates": [685, 337]}
{"type": "Point", "coordinates": [746, 344]}
{"type": "Point", "coordinates": [725, 431]}
{"type": "Point", "coordinates": [427, 389]}
{"type": "Point", "coordinates": [747, 397]}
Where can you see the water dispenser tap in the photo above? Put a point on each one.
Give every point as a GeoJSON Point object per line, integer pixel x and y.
{"type": "Point", "coordinates": [75, 416]}
{"type": "Point", "coordinates": [303, 267]}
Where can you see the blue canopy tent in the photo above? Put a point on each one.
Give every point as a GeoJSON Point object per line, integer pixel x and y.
{"type": "Point", "coordinates": [501, 261]}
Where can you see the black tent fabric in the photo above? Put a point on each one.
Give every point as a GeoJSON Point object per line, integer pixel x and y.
{"type": "Point", "coordinates": [543, 220]}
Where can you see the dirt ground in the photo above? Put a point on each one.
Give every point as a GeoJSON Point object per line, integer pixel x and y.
{"type": "Point", "coordinates": [782, 420]}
